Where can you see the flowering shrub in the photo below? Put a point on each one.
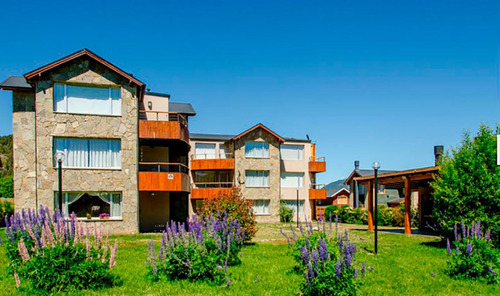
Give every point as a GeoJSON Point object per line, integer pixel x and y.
{"type": "Point", "coordinates": [6, 210]}
{"type": "Point", "coordinates": [55, 253]}
{"type": "Point", "coordinates": [236, 207]}
{"type": "Point", "coordinates": [473, 254]}
{"type": "Point", "coordinates": [202, 252]}
{"type": "Point", "coordinates": [328, 265]}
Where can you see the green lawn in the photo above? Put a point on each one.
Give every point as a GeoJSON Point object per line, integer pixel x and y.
{"type": "Point", "coordinates": [402, 267]}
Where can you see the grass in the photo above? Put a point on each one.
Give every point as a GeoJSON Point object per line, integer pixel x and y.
{"type": "Point", "coordinates": [403, 267]}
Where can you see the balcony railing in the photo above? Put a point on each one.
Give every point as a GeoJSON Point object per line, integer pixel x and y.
{"type": "Point", "coordinates": [202, 162]}
{"type": "Point", "coordinates": [162, 116]}
{"type": "Point", "coordinates": [317, 191]}
{"type": "Point", "coordinates": [318, 159]}
{"type": "Point", "coordinates": [317, 164]}
{"type": "Point", "coordinates": [163, 167]}
{"type": "Point", "coordinates": [212, 156]}
{"type": "Point", "coordinates": [213, 184]}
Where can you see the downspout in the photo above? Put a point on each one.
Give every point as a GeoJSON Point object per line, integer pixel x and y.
{"type": "Point", "coordinates": [36, 155]}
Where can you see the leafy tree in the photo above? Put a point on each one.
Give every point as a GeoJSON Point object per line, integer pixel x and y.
{"type": "Point", "coordinates": [7, 187]}
{"type": "Point", "coordinates": [467, 187]}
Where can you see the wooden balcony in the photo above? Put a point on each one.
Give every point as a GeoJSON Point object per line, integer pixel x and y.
{"type": "Point", "coordinates": [203, 193]}
{"type": "Point", "coordinates": [317, 165]}
{"type": "Point", "coordinates": [317, 191]}
{"type": "Point", "coordinates": [212, 164]}
{"type": "Point", "coordinates": [165, 125]}
{"type": "Point", "coordinates": [163, 177]}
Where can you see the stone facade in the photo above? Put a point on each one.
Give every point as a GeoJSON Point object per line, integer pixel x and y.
{"type": "Point", "coordinates": [271, 164]}
{"type": "Point", "coordinates": [84, 71]}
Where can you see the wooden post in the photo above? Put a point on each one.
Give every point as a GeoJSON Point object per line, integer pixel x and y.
{"type": "Point", "coordinates": [407, 205]}
{"type": "Point", "coordinates": [370, 206]}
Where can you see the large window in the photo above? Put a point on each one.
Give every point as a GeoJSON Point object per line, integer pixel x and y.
{"type": "Point", "coordinates": [204, 151]}
{"type": "Point", "coordinates": [257, 149]}
{"type": "Point", "coordinates": [261, 207]}
{"type": "Point", "coordinates": [89, 153]}
{"type": "Point", "coordinates": [257, 178]}
{"type": "Point", "coordinates": [95, 204]}
{"type": "Point", "coordinates": [292, 152]}
{"type": "Point", "coordinates": [87, 99]}
{"type": "Point", "coordinates": [292, 180]}
{"type": "Point", "coordinates": [292, 204]}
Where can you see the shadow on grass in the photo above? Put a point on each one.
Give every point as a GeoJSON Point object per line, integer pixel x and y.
{"type": "Point", "coordinates": [440, 244]}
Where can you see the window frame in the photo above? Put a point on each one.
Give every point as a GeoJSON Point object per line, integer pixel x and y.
{"type": "Point", "coordinates": [262, 171]}
{"type": "Point", "coordinates": [266, 146]}
{"type": "Point", "coordinates": [85, 85]}
{"type": "Point", "coordinates": [299, 174]}
{"type": "Point", "coordinates": [54, 151]}
{"type": "Point", "coordinates": [111, 205]}
{"type": "Point", "coordinates": [268, 213]}
{"type": "Point", "coordinates": [300, 151]}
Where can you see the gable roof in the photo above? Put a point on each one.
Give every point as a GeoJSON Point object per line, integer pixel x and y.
{"type": "Point", "coordinates": [260, 125]}
{"type": "Point", "coordinates": [86, 52]}
{"type": "Point", "coordinates": [342, 190]}
{"type": "Point", "coordinates": [15, 83]}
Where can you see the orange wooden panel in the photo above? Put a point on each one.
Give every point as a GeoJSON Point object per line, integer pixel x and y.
{"type": "Point", "coordinates": [317, 166]}
{"type": "Point", "coordinates": [317, 193]}
{"type": "Point", "coordinates": [212, 164]}
{"type": "Point", "coordinates": [154, 181]}
{"type": "Point", "coordinates": [202, 193]}
{"type": "Point", "coordinates": [149, 129]}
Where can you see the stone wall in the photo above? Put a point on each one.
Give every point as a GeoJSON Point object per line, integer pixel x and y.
{"type": "Point", "coordinates": [271, 164]}
{"type": "Point", "coordinates": [124, 127]}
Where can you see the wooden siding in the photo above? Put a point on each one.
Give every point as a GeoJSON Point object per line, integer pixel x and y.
{"type": "Point", "coordinates": [154, 181]}
{"type": "Point", "coordinates": [317, 193]}
{"type": "Point", "coordinates": [317, 166]}
{"type": "Point", "coordinates": [173, 130]}
{"type": "Point", "coordinates": [212, 164]}
{"type": "Point", "coordinates": [202, 193]}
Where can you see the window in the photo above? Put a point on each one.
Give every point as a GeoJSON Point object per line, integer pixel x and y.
{"type": "Point", "coordinates": [87, 99]}
{"type": "Point", "coordinates": [224, 151]}
{"type": "Point", "coordinates": [261, 207]}
{"type": "Point", "coordinates": [204, 151]}
{"type": "Point", "coordinates": [257, 149]}
{"type": "Point", "coordinates": [292, 152]}
{"type": "Point", "coordinates": [93, 203]}
{"type": "Point", "coordinates": [292, 180]}
{"type": "Point", "coordinates": [89, 153]}
{"type": "Point", "coordinates": [342, 200]}
{"type": "Point", "coordinates": [257, 178]}
{"type": "Point", "coordinates": [292, 204]}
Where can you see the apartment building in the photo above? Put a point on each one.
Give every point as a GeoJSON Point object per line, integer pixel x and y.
{"type": "Point", "coordinates": [129, 161]}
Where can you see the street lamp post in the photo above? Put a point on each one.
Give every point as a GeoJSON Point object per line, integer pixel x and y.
{"type": "Point", "coordinates": [59, 156]}
{"type": "Point", "coordinates": [376, 166]}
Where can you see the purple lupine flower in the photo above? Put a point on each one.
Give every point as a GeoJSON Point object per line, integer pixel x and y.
{"type": "Point", "coordinates": [363, 269]}
{"type": "Point", "coordinates": [488, 235]}
{"type": "Point", "coordinates": [456, 249]}
{"type": "Point", "coordinates": [336, 223]}
{"type": "Point", "coordinates": [433, 274]}
{"type": "Point", "coordinates": [448, 247]}
{"type": "Point", "coordinates": [338, 271]}
{"type": "Point", "coordinates": [478, 228]}
{"type": "Point", "coordinates": [341, 243]}
{"type": "Point", "coordinates": [355, 273]}
{"type": "Point", "coordinates": [469, 248]}
{"type": "Point", "coordinates": [370, 268]}
{"type": "Point", "coordinates": [490, 269]}
{"type": "Point", "coordinates": [463, 229]}
{"type": "Point", "coordinates": [304, 255]}
{"type": "Point", "coordinates": [455, 231]}
{"type": "Point", "coordinates": [315, 258]}
{"type": "Point", "coordinates": [228, 282]}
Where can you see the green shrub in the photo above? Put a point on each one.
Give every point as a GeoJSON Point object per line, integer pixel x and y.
{"type": "Point", "coordinates": [6, 210]}
{"type": "Point", "coordinates": [360, 215]}
{"type": "Point", "coordinates": [468, 184]}
{"type": "Point", "coordinates": [473, 255]}
{"type": "Point", "coordinates": [344, 214]}
{"type": "Point", "coordinates": [7, 187]}
{"type": "Point", "coordinates": [236, 207]}
{"type": "Point", "coordinates": [286, 213]}
{"type": "Point", "coordinates": [331, 211]}
{"type": "Point", "coordinates": [385, 216]}
{"type": "Point", "coordinates": [399, 216]}
{"type": "Point", "coordinates": [53, 254]}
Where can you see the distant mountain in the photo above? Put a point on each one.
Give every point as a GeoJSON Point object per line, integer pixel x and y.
{"type": "Point", "coordinates": [335, 186]}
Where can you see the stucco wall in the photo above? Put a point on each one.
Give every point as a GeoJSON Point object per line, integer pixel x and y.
{"type": "Point", "coordinates": [124, 127]}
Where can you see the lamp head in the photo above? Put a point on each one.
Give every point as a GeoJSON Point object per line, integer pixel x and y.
{"type": "Point", "coordinates": [376, 165]}
{"type": "Point", "coordinates": [59, 156]}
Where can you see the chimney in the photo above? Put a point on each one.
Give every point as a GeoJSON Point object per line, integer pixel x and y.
{"type": "Point", "coordinates": [356, 164]}
{"type": "Point", "coordinates": [438, 152]}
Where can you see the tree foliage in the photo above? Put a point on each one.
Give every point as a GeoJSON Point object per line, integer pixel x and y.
{"type": "Point", "coordinates": [468, 184]}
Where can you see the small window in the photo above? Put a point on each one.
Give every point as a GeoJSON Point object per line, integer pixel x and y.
{"type": "Point", "coordinates": [292, 180]}
{"type": "Point", "coordinates": [204, 151]}
{"type": "Point", "coordinates": [342, 200]}
{"type": "Point", "coordinates": [95, 204]}
{"type": "Point", "coordinates": [261, 207]}
{"type": "Point", "coordinates": [292, 152]}
{"type": "Point", "coordinates": [256, 150]}
{"type": "Point", "coordinates": [257, 178]}
{"type": "Point", "coordinates": [87, 99]}
{"type": "Point", "coordinates": [292, 204]}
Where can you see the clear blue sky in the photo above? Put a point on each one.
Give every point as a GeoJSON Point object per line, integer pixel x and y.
{"type": "Point", "coordinates": [367, 80]}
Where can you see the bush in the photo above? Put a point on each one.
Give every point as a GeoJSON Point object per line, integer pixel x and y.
{"type": "Point", "coordinates": [328, 266]}
{"type": "Point", "coordinates": [202, 252]}
{"type": "Point", "coordinates": [468, 185]}
{"type": "Point", "coordinates": [286, 213]}
{"type": "Point", "coordinates": [7, 187]}
{"type": "Point", "coordinates": [360, 216]}
{"type": "Point", "coordinates": [473, 255]}
{"type": "Point", "coordinates": [54, 254]}
{"type": "Point", "coordinates": [385, 216]}
{"type": "Point", "coordinates": [6, 210]}
{"type": "Point", "coordinates": [331, 211]}
{"type": "Point", "coordinates": [236, 208]}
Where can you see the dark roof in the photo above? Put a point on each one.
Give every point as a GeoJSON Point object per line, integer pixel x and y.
{"type": "Point", "coordinates": [297, 140]}
{"type": "Point", "coordinates": [157, 94]}
{"type": "Point", "coordinates": [261, 126]}
{"type": "Point", "coordinates": [15, 82]}
{"type": "Point", "coordinates": [365, 173]}
{"type": "Point", "coordinates": [214, 137]}
{"type": "Point", "coordinates": [183, 108]}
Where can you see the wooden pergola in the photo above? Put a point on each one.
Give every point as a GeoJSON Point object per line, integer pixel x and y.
{"type": "Point", "coordinates": [407, 180]}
